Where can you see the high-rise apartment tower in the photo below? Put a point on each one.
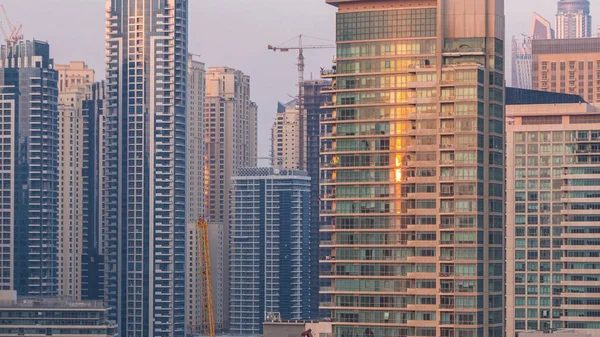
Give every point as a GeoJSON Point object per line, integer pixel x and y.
{"type": "Point", "coordinates": [413, 169]}
{"type": "Point", "coordinates": [29, 171]}
{"type": "Point", "coordinates": [145, 165]}
{"type": "Point", "coordinates": [270, 248]}
{"type": "Point", "coordinates": [552, 232]}
{"type": "Point", "coordinates": [196, 150]}
{"type": "Point", "coordinates": [230, 129]}
{"type": "Point", "coordinates": [314, 99]}
{"type": "Point", "coordinates": [573, 19]}
{"type": "Point", "coordinates": [74, 81]}
{"type": "Point", "coordinates": [285, 136]}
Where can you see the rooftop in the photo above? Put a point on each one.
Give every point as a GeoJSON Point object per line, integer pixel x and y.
{"type": "Point", "coordinates": [517, 96]}
{"type": "Point", "coordinates": [51, 303]}
{"type": "Point", "coordinates": [566, 46]}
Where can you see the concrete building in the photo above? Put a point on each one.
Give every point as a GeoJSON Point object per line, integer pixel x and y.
{"type": "Point", "coordinates": [269, 248]}
{"type": "Point", "coordinates": [562, 333]}
{"type": "Point", "coordinates": [53, 317]}
{"type": "Point", "coordinates": [144, 172]}
{"type": "Point", "coordinates": [412, 169]}
{"type": "Point", "coordinates": [195, 189]}
{"type": "Point", "coordinates": [76, 74]}
{"type": "Point", "coordinates": [569, 66]}
{"type": "Point", "coordinates": [70, 193]}
{"type": "Point", "coordinates": [75, 81]}
{"type": "Point", "coordinates": [285, 136]}
{"type": "Point", "coordinates": [573, 19]}
{"type": "Point", "coordinates": [230, 133]}
{"type": "Point", "coordinates": [295, 328]}
{"type": "Point", "coordinates": [29, 171]}
{"type": "Point", "coordinates": [553, 165]}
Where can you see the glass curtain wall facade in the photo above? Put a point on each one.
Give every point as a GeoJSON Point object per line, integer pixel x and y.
{"type": "Point", "coordinates": [553, 209]}
{"type": "Point", "coordinates": [412, 170]}
{"type": "Point", "coordinates": [29, 169]}
{"type": "Point", "coordinates": [145, 165]}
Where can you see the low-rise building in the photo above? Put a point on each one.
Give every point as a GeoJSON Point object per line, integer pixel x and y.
{"type": "Point", "coordinates": [53, 317]}
{"type": "Point", "coordinates": [295, 328]}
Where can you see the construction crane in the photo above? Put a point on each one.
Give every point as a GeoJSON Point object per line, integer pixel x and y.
{"type": "Point", "coordinates": [14, 34]}
{"type": "Point", "coordinates": [208, 314]}
{"type": "Point", "coordinates": [300, 48]}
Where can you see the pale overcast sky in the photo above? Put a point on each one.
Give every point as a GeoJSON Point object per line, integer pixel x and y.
{"type": "Point", "coordinates": [232, 33]}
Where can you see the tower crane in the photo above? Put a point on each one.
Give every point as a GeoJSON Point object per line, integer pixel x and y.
{"type": "Point", "coordinates": [208, 314]}
{"type": "Point", "coordinates": [14, 34]}
{"type": "Point", "coordinates": [300, 48]}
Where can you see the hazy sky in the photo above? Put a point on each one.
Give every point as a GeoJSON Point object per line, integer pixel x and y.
{"type": "Point", "coordinates": [232, 33]}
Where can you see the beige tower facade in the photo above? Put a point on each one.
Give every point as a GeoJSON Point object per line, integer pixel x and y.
{"type": "Point", "coordinates": [74, 83]}
{"type": "Point", "coordinates": [412, 168]}
{"type": "Point", "coordinates": [194, 189]}
{"type": "Point", "coordinates": [74, 75]}
{"type": "Point", "coordinates": [230, 134]}
{"type": "Point", "coordinates": [553, 209]}
{"type": "Point", "coordinates": [285, 137]}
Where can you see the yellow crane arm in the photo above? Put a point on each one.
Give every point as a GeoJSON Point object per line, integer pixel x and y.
{"type": "Point", "coordinates": [208, 315]}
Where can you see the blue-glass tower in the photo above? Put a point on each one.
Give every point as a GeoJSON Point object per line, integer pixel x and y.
{"type": "Point", "coordinates": [269, 248]}
{"type": "Point", "coordinates": [144, 165]}
{"type": "Point", "coordinates": [28, 169]}
{"type": "Point", "coordinates": [92, 260]}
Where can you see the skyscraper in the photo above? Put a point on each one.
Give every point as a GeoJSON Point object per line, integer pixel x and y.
{"type": "Point", "coordinates": [314, 98]}
{"type": "Point", "coordinates": [230, 129]}
{"type": "Point", "coordinates": [522, 54]}
{"type": "Point", "coordinates": [552, 232]}
{"type": "Point", "coordinates": [412, 169]}
{"type": "Point", "coordinates": [541, 28]}
{"type": "Point", "coordinates": [285, 136]}
{"type": "Point", "coordinates": [573, 19]}
{"type": "Point", "coordinates": [29, 171]}
{"type": "Point", "coordinates": [92, 260]}
{"type": "Point", "coordinates": [145, 167]}
{"type": "Point", "coordinates": [270, 248]}
{"type": "Point", "coordinates": [521, 62]}
{"type": "Point", "coordinates": [196, 151]}
{"type": "Point", "coordinates": [74, 82]}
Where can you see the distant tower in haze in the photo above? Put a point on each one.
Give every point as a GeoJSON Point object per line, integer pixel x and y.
{"type": "Point", "coordinates": [521, 62]}
{"type": "Point", "coordinates": [573, 19]}
{"type": "Point", "coordinates": [541, 28]}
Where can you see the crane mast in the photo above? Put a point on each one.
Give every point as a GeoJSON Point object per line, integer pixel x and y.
{"type": "Point", "coordinates": [301, 113]}
{"type": "Point", "coordinates": [208, 315]}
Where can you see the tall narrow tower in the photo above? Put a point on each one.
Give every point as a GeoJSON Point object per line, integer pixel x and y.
{"type": "Point", "coordinates": [29, 171]}
{"type": "Point", "coordinates": [412, 169]}
{"type": "Point", "coordinates": [145, 165]}
{"type": "Point", "coordinates": [573, 19]}
{"type": "Point", "coordinates": [230, 134]}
